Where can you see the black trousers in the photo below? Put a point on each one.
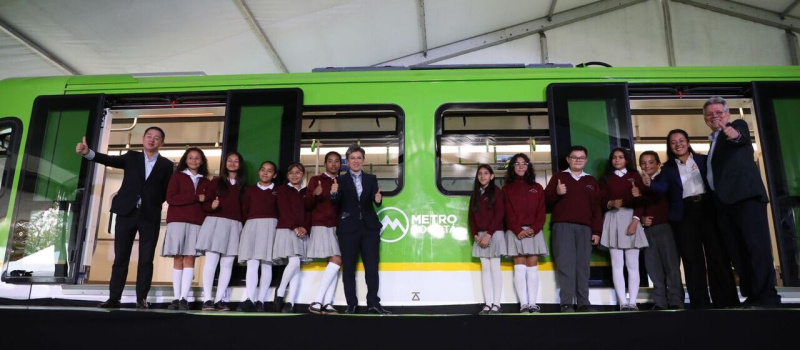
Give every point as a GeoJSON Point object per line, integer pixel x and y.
{"type": "Point", "coordinates": [746, 234]}
{"type": "Point", "coordinates": [364, 242]}
{"type": "Point", "coordinates": [703, 254]}
{"type": "Point", "coordinates": [124, 235]}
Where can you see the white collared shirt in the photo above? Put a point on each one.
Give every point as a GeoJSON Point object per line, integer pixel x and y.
{"type": "Point", "coordinates": [295, 188]}
{"type": "Point", "coordinates": [576, 177]}
{"type": "Point", "coordinates": [195, 177]}
{"type": "Point", "coordinates": [271, 186]}
{"type": "Point", "coordinates": [691, 178]}
{"type": "Point", "coordinates": [621, 172]}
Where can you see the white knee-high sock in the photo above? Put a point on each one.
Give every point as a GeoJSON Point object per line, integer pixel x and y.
{"type": "Point", "coordinates": [294, 289]}
{"type": "Point", "coordinates": [331, 290]}
{"type": "Point", "coordinates": [632, 262]}
{"type": "Point", "coordinates": [532, 274]}
{"type": "Point", "coordinates": [617, 265]}
{"type": "Point", "coordinates": [497, 280]}
{"type": "Point", "coordinates": [209, 268]}
{"type": "Point", "coordinates": [486, 281]}
{"type": "Point", "coordinates": [176, 282]}
{"type": "Point", "coordinates": [251, 279]}
{"type": "Point", "coordinates": [331, 271]}
{"type": "Point", "coordinates": [291, 269]}
{"type": "Point", "coordinates": [266, 279]}
{"type": "Point", "coordinates": [225, 270]}
{"type": "Point", "coordinates": [520, 285]}
{"type": "Point", "coordinates": [186, 281]}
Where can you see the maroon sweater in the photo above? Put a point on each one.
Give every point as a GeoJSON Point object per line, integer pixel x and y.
{"type": "Point", "coordinates": [616, 187]}
{"type": "Point", "coordinates": [581, 203]}
{"type": "Point", "coordinates": [260, 204]}
{"type": "Point", "coordinates": [656, 206]}
{"type": "Point", "coordinates": [485, 219]}
{"type": "Point", "coordinates": [324, 212]}
{"type": "Point", "coordinates": [292, 211]}
{"type": "Point", "coordinates": [230, 205]}
{"type": "Point", "coordinates": [524, 205]}
{"type": "Point", "coordinates": [184, 200]}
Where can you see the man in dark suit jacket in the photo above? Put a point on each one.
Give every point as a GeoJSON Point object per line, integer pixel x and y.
{"type": "Point", "coordinates": [138, 208]}
{"type": "Point", "coordinates": [359, 229]}
{"type": "Point", "coordinates": [742, 202]}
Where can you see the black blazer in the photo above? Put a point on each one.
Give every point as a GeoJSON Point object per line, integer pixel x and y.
{"type": "Point", "coordinates": [669, 182]}
{"type": "Point", "coordinates": [354, 211]}
{"type": "Point", "coordinates": [152, 191]}
{"type": "Point", "coordinates": [736, 176]}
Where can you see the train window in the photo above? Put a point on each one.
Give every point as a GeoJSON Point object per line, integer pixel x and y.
{"type": "Point", "coordinates": [471, 134]}
{"type": "Point", "coordinates": [376, 128]}
{"type": "Point", "coordinates": [10, 130]}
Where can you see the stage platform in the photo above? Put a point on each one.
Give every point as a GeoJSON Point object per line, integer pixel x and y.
{"type": "Point", "coordinates": [85, 327]}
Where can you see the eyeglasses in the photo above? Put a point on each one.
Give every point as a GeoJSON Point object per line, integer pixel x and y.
{"type": "Point", "coordinates": [295, 173]}
{"type": "Point", "coordinates": [521, 164]}
{"type": "Point", "coordinates": [715, 113]}
{"type": "Point", "coordinates": [578, 159]}
{"type": "Point", "coordinates": [356, 158]}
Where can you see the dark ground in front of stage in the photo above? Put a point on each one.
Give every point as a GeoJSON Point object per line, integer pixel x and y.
{"type": "Point", "coordinates": [51, 323]}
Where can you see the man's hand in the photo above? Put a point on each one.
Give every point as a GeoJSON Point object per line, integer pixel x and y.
{"type": "Point", "coordinates": [82, 148]}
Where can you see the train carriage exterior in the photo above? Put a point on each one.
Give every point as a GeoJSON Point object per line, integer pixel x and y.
{"type": "Point", "coordinates": [425, 131]}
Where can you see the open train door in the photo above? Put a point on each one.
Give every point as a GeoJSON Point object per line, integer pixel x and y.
{"type": "Point", "coordinates": [777, 105]}
{"type": "Point", "coordinates": [596, 116]}
{"type": "Point", "coordinates": [48, 224]}
{"type": "Point", "coordinates": [262, 125]}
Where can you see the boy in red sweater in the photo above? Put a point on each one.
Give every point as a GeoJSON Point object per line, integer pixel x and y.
{"type": "Point", "coordinates": [577, 224]}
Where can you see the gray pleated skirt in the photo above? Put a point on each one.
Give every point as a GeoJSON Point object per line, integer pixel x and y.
{"type": "Point", "coordinates": [497, 246]}
{"type": "Point", "coordinates": [219, 235]}
{"type": "Point", "coordinates": [527, 246]}
{"type": "Point", "coordinates": [180, 239]}
{"type": "Point", "coordinates": [615, 226]}
{"type": "Point", "coordinates": [323, 243]}
{"type": "Point", "coordinates": [287, 245]}
{"type": "Point", "coordinates": [257, 239]}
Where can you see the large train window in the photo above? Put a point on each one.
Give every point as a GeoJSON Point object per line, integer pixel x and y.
{"type": "Point", "coordinates": [468, 134]}
{"type": "Point", "coordinates": [376, 128]}
{"type": "Point", "coordinates": [10, 131]}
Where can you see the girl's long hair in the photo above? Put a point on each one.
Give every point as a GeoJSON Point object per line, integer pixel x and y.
{"type": "Point", "coordinates": [629, 164]}
{"type": "Point", "coordinates": [222, 186]}
{"type": "Point", "coordinates": [529, 176]}
{"type": "Point", "coordinates": [476, 190]}
{"type": "Point", "coordinates": [671, 155]}
{"type": "Point", "coordinates": [202, 170]}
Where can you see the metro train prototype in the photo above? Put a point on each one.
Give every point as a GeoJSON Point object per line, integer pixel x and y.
{"type": "Point", "coordinates": [424, 129]}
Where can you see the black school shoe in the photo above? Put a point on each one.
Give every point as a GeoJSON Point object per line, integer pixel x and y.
{"type": "Point", "coordinates": [174, 305]}
{"type": "Point", "coordinates": [378, 310]}
{"type": "Point", "coordinates": [110, 304]}
{"type": "Point", "coordinates": [288, 308]}
{"type": "Point", "coordinates": [278, 304]}
{"type": "Point", "coordinates": [260, 307]}
{"type": "Point", "coordinates": [315, 308]}
{"type": "Point", "coordinates": [183, 305]}
{"type": "Point", "coordinates": [567, 308]}
{"type": "Point", "coordinates": [208, 305]}
{"type": "Point", "coordinates": [351, 309]}
{"type": "Point", "coordinates": [586, 308]}
{"type": "Point", "coordinates": [246, 306]}
{"type": "Point", "coordinates": [221, 306]}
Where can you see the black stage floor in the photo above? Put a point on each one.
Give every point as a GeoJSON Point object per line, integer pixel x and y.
{"type": "Point", "coordinates": [70, 327]}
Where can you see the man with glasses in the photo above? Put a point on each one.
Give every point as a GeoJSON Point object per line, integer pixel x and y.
{"type": "Point", "coordinates": [359, 229]}
{"type": "Point", "coordinates": [741, 203]}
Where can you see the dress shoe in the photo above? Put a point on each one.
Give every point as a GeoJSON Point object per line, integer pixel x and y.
{"type": "Point", "coordinates": [278, 304]}
{"type": "Point", "coordinates": [657, 308]}
{"type": "Point", "coordinates": [109, 304]}
{"type": "Point", "coordinates": [586, 308]}
{"type": "Point", "coordinates": [378, 310]}
{"type": "Point", "coordinates": [142, 304]}
{"type": "Point", "coordinates": [567, 308]}
{"type": "Point", "coordinates": [351, 309]}
{"type": "Point", "coordinates": [174, 305]}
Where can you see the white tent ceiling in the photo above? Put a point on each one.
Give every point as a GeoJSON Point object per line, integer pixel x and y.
{"type": "Point", "coordinates": [54, 37]}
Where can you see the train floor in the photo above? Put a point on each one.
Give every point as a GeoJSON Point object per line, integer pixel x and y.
{"type": "Point", "coordinates": [39, 326]}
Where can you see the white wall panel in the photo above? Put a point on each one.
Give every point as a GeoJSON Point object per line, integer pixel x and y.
{"type": "Point", "coordinates": [706, 38]}
{"type": "Point", "coordinates": [526, 50]}
{"type": "Point", "coordinates": [17, 60]}
{"type": "Point", "coordinates": [633, 36]}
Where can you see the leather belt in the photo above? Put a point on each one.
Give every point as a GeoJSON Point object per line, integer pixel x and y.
{"type": "Point", "coordinates": [695, 198]}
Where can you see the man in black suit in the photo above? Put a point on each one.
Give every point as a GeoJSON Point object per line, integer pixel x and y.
{"type": "Point", "coordinates": [138, 208]}
{"type": "Point", "coordinates": [359, 229]}
{"type": "Point", "coordinates": [742, 203]}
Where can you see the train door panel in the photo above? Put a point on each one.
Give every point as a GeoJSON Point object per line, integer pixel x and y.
{"type": "Point", "coordinates": [776, 105]}
{"type": "Point", "coordinates": [262, 125]}
{"type": "Point", "coordinates": [48, 221]}
{"type": "Point", "coordinates": [596, 116]}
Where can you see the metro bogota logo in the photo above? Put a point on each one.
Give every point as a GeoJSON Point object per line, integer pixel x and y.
{"type": "Point", "coordinates": [394, 223]}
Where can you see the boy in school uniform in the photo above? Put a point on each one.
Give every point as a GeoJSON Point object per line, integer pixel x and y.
{"type": "Point", "coordinates": [576, 225]}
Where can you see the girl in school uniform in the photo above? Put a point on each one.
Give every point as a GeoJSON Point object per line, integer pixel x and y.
{"type": "Point", "coordinates": [185, 196]}
{"type": "Point", "coordinates": [525, 216]}
{"type": "Point", "coordinates": [623, 235]}
{"type": "Point", "coordinates": [260, 209]}
{"type": "Point", "coordinates": [291, 237]}
{"type": "Point", "coordinates": [486, 224]}
{"type": "Point", "coordinates": [323, 242]}
{"type": "Point", "coordinates": [219, 235]}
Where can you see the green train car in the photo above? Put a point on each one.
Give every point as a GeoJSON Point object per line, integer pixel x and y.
{"type": "Point", "coordinates": [425, 130]}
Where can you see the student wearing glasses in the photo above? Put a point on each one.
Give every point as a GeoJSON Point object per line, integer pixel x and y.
{"type": "Point", "coordinates": [577, 223]}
